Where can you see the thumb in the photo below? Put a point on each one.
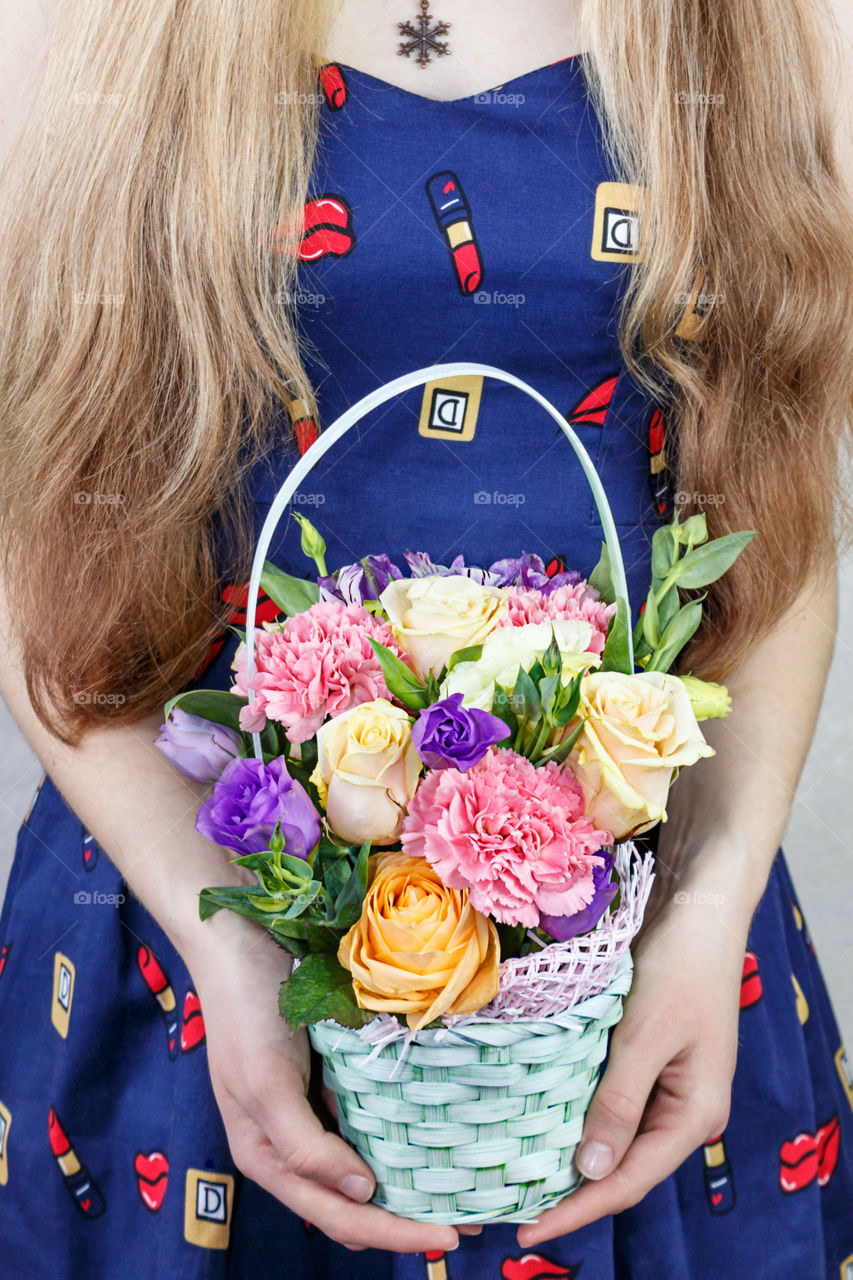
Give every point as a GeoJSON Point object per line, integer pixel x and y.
{"type": "Point", "coordinates": [311, 1152]}
{"type": "Point", "coordinates": [617, 1107]}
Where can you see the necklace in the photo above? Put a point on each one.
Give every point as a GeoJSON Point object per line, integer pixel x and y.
{"type": "Point", "coordinates": [421, 36]}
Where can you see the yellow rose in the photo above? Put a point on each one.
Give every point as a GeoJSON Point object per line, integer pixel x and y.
{"type": "Point", "coordinates": [419, 947]}
{"type": "Point", "coordinates": [432, 617]}
{"type": "Point", "coordinates": [639, 729]}
{"type": "Point", "coordinates": [367, 771]}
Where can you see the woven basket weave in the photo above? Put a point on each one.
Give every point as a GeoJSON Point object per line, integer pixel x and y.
{"type": "Point", "coordinates": [477, 1122]}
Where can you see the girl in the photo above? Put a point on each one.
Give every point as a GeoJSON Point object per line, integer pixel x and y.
{"type": "Point", "coordinates": [223, 223]}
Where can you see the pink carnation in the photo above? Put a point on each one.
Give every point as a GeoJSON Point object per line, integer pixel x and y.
{"type": "Point", "coordinates": [515, 835]}
{"type": "Point", "coordinates": [578, 603]}
{"type": "Point", "coordinates": [318, 665]}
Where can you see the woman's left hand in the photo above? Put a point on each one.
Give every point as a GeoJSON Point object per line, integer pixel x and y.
{"type": "Point", "coordinates": [667, 1086]}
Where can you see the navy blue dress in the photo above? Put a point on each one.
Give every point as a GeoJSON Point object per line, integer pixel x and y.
{"type": "Point", "coordinates": [485, 228]}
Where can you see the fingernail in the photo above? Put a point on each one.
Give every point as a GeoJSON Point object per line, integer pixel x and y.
{"type": "Point", "coordinates": [594, 1160]}
{"type": "Point", "coordinates": [355, 1187]}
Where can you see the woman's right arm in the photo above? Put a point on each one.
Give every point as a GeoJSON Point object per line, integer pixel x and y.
{"type": "Point", "coordinates": [142, 811]}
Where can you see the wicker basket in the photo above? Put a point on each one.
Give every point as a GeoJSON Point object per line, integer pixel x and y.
{"type": "Point", "coordinates": [478, 1120]}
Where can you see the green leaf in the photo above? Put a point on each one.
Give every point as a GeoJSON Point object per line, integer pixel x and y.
{"type": "Point", "coordinates": [692, 532]}
{"type": "Point", "coordinates": [563, 749]}
{"type": "Point", "coordinates": [673, 640]}
{"type": "Point", "coordinates": [321, 988]}
{"type": "Point", "coordinates": [323, 937]}
{"type": "Point", "coordinates": [651, 625]}
{"type": "Point", "coordinates": [704, 565]}
{"type": "Point", "coordinates": [524, 698]}
{"type": "Point", "coordinates": [401, 681]}
{"type": "Point", "coordinates": [615, 655]}
{"type": "Point", "coordinates": [292, 595]}
{"type": "Point", "coordinates": [664, 551]}
{"type": "Point", "coordinates": [217, 705]}
{"type": "Point", "coordinates": [347, 906]}
{"type": "Point", "coordinates": [571, 696]}
{"type": "Point", "coordinates": [471, 654]}
{"type": "Point", "coordinates": [238, 898]}
{"type": "Point", "coordinates": [601, 577]}
{"type": "Point", "coordinates": [503, 710]}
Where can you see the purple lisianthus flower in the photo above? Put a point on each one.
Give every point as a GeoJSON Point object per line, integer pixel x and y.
{"type": "Point", "coordinates": [447, 735]}
{"type": "Point", "coordinates": [364, 580]}
{"type": "Point", "coordinates": [248, 801]}
{"type": "Point", "coordinates": [197, 747]}
{"type": "Point", "coordinates": [561, 928]}
{"type": "Point", "coordinates": [528, 572]}
{"type": "Point", "coordinates": [422, 566]}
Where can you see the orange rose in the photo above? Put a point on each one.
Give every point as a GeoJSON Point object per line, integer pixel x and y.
{"type": "Point", "coordinates": [419, 947]}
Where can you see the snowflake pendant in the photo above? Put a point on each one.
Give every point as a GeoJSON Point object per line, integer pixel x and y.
{"type": "Point", "coordinates": [422, 37]}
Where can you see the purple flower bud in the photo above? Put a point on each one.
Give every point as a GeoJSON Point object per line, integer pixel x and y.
{"type": "Point", "coordinates": [561, 928]}
{"type": "Point", "coordinates": [197, 747]}
{"type": "Point", "coordinates": [364, 580]}
{"type": "Point", "coordinates": [447, 735]}
{"type": "Point", "coordinates": [248, 801]}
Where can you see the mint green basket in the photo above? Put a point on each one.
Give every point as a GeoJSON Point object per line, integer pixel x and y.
{"type": "Point", "coordinates": [478, 1121]}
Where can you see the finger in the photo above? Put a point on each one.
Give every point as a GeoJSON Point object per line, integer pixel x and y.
{"type": "Point", "coordinates": [309, 1151]}
{"type": "Point", "coordinates": [652, 1157]}
{"type": "Point", "coordinates": [358, 1226]}
{"type": "Point", "coordinates": [471, 1231]}
{"type": "Point", "coordinates": [618, 1103]}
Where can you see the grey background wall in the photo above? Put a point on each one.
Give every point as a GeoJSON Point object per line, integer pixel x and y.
{"type": "Point", "coordinates": [818, 843]}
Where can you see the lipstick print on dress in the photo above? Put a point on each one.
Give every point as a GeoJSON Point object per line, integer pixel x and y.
{"type": "Point", "coordinates": [152, 1178]}
{"type": "Point", "coordinates": [453, 215]}
{"type": "Point", "coordinates": [325, 230]}
{"type": "Point", "coordinates": [304, 426]}
{"type": "Point", "coordinates": [333, 85]}
{"type": "Point", "coordinates": [161, 989]}
{"type": "Point", "coordinates": [533, 1266]}
{"type": "Point", "coordinates": [89, 850]}
{"type": "Point", "coordinates": [75, 1175]}
{"type": "Point", "coordinates": [436, 1267]}
{"type": "Point", "coordinates": [809, 1158]}
{"type": "Point", "coordinates": [660, 477]}
{"type": "Point", "coordinates": [4, 956]}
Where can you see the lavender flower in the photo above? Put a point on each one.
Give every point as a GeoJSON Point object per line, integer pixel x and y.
{"type": "Point", "coordinates": [562, 928]}
{"type": "Point", "coordinates": [248, 801]}
{"type": "Point", "coordinates": [447, 735]}
{"type": "Point", "coordinates": [197, 747]}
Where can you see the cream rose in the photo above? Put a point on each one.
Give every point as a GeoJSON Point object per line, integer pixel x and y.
{"type": "Point", "coordinates": [432, 617]}
{"type": "Point", "coordinates": [367, 771]}
{"type": "Point", "coordinates": [508, 649]}
{"type": "Point", "coordinates": [638, 729]}
{"type": "Point", "coordinates": [419, 948]}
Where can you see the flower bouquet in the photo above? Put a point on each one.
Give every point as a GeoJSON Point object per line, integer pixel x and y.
{"type": "Point", "coordinates": [436, 775]}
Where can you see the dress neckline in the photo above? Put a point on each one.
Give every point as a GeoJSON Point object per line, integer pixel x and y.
{"type": "Point", "coordinates": [505, 85]}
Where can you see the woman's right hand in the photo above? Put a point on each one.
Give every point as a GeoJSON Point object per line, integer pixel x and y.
{"type": "Point", "coordinates": [260, 1075]}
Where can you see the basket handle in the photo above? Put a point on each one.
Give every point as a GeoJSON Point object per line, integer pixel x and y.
{"type": "Point", "coordinates": [353, 415]}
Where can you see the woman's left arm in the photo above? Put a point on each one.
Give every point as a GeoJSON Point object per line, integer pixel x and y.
{"type": "Point", "coordinates": [667, 1086]}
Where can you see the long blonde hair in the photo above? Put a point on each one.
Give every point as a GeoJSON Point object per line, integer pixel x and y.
{"type": "Point", "coordinates": [147, 332]}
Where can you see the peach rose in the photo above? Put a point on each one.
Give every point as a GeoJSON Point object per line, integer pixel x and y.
{"type": "Point", "coordinates": [419, 947]}
{"type": "Point", "coordinates": [638, 730]}
{"type": "Point", "coordinates": [434, 616]}
{"type": "Point", "coordinates": [367, 771]}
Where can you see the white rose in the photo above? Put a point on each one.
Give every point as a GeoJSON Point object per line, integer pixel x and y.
{"type": "Point", "coordinates": [432, 617]}
{"type": "Point", "coordinates": [509, 649]}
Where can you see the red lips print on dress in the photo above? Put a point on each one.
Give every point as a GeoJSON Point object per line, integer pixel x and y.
{"type": "Point", "coordinates": [532, 1266]}
{"type": "Point", "coordinates": [152, 1178]}
{"type": "Point", "coordinates": [325, 229]}
{"type": "Point", "coordinates": [750, 983]}
{"type": "Point", "coordinates": [808, 1158]}
{"type": "Point", "coordinates": [192, 1031]}
{"type": "Point", "coordinates": [593, 405]}
{"type": "Point", "coordinates": [333, 85]}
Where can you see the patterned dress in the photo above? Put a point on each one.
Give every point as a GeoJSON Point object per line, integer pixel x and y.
{"type": "Point", "coordinates": [484, 228]}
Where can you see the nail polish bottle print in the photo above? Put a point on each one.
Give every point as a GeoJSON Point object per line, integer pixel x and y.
{"type": "Point", "coordinates": [719, 1183]}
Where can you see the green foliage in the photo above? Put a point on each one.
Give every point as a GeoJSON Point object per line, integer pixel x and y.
{"type": "Point", "coordinates": [401, 680]}
{"type": "Point", "coordinates": [321, 988]}
{"type": "Point", "coordinates": [292, 595]}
